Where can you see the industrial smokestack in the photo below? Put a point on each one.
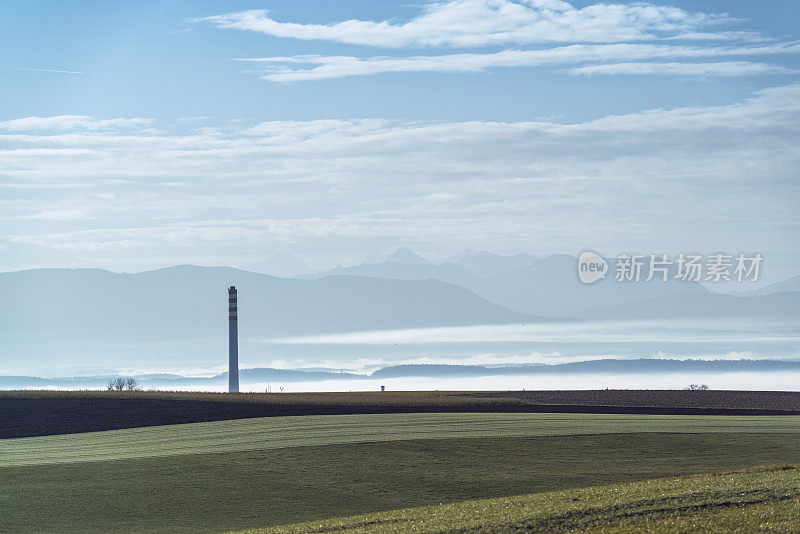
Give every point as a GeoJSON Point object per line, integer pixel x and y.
{"type": "Point", "coordinates": [233, 343]}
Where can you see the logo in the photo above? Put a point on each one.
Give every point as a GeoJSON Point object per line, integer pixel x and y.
{"type": "Point", "coordinates": [591, 267]}
{"type": "Point", "coordinates": [686, 267]}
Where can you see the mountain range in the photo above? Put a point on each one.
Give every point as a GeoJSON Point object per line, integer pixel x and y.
{"type": "Point", "coordinates": [549, 287]}
{"type": "Point", "coordinates": [404, 291]}
{"type": "Point", "coordinates": [286, 376]}
{"type": "Point", "coordinates": [191, 301]}
{"type": "Point", "coordinates": [64, 318]}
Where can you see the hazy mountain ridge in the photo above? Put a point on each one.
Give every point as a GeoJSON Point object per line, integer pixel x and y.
{"type": "Point", "coordinates": [642, 365]}
{"type": "Point", "coordinates": [407, 265]}
{"type": "Point", "coordinates": [278, 376]}
{"type": "Point", "coordinates": [486, 264]}
{"type": "Point", "coordinates": [446, 272]}
{"type": "Point", "coordinates": [189, 300]}
{"type": "Point", "coordinates": [791, 284]}
{"type": "Point", "coordinates": [96, 319]}
{"type": "Point", "coordinates": [549, 287]}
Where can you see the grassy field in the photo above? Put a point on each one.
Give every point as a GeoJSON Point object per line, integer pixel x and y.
{"type": "Point", "coordinates": [234, 491]}
{"type": "Point", "coordinates": [294, 431]}
{"type": "Point", "coordinates": [240, 473]}
{"type": "Point", "coordinates": [765, 500]}
{"type": "Point", "coordinates": [35, 413]}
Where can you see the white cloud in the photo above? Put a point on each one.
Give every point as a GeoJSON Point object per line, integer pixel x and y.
{"type": "Point", "coordinates": [599, 32]}
{"type": "Point", "coordinates": [198, 118]}
{"type": "Point", "coordinates": [71, 122]}
{"type": "Point", "coordinates": [722, 68]}
{"type": "Point", "coordinates": [302, 68]}
{"type": "Point", "coordinates": [44, 70]}
{"type": "Point", "coordinates": [333, 189]}
{"type": "Point", "coordinates": [60, 215]}
{"type": "Point", "coordinates": [469, 23]}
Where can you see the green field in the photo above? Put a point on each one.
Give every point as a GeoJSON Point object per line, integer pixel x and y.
{"type": "Point", "coordinates": [233, 475]}
{"type": "Point", "coordinates": [294, 431]}
{"type": "Point", "coordinates": [765, 500]}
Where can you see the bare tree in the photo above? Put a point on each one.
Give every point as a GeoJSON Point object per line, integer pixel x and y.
{"type": "Point", "coordinates": [131, 384]}
{"type": "Point", "coordinates": [121, 383]}
{"type": "Point", "coordinates": [116, 384]}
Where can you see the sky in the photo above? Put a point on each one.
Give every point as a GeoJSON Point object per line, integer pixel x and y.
{"type": "Point", "coordinates": [137, 135]}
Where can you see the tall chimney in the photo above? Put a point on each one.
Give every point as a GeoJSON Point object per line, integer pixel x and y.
{"type": "Point", "coordinates": [233, 343]}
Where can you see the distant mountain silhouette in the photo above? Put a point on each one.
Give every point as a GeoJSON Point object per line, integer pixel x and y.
{"type": "Point", "coordinates": [166, 381]}
{"type": "Point", "coordinates": [406, 256]}
{"type": "Point", "coordinates": [404, 264]}
{"type": "Point", "coordinates": [617, 366]}
{"type": "Point", "coordinates": [176, 302]}
{"type": "Point", "coordinates": [452, 371]}
{"type": "Point", "coordinates": [486, 264]}
{"type": "Point", "coordinates": [791, 284]}
{"type": "Point", "coordinates": [547, 287]}
{"type": "Point", "coordinates": [551, 288]}
{"type": "Point", "coordinates": [446, 272]}
{"type": "Point", "coordinates": [278, 376]}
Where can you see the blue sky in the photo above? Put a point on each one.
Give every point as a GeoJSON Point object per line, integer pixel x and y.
{"type": "Point", "coordinates": [142, 134]}
{"type": "Point", "coordinates": [149, 59]}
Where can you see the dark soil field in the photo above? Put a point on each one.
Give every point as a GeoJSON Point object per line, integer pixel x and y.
{"type": "Point", "coordinates": [37, 413]}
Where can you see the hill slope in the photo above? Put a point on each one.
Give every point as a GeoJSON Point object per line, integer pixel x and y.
{"type": "Point", "coordinates": [183, 301]}
{"type": "Point", "coordinates": [766, 499]}
{"type": "Point", "coordinates": [220, 492]}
